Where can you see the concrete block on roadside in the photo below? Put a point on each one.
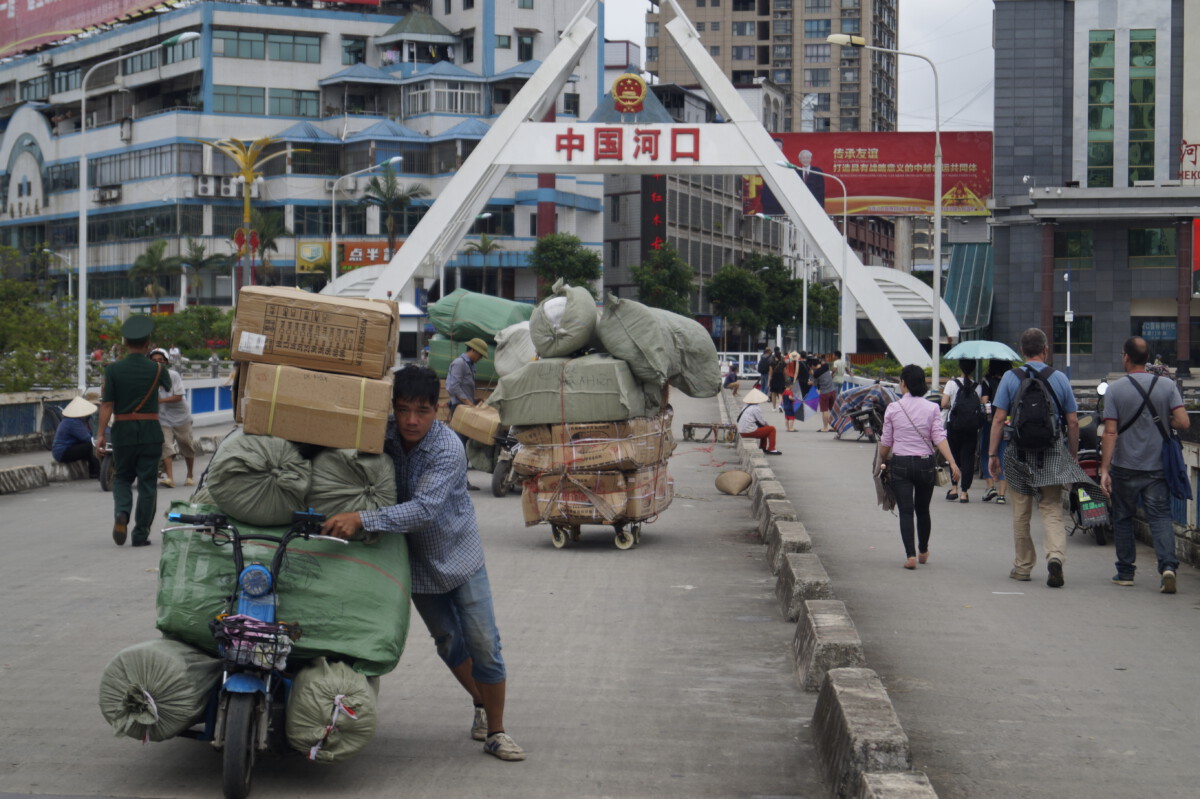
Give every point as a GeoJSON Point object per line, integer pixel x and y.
{"type": "Point", "coordinates": [761, 474]}
{"type": "Point", "coordinates": [774, 510]}
{"type": "Point", "coordinates": [66, 472]}
{"type": "Point", "coordinates": [800, 577]}
{"type": "Point", "coordinates": [784, 537]}
{"type": "Point", "coordinates": [753, 457]}
{"type": "Point", "coordinates": [825, 639]}
{"type": "Point", "coordinates": [762, 490]}
{"type": "Point", "coordinates": [856, 730]}
{"type": "Point", "coordinates": [22, 478]}
{"type": "Point", "coordinates": [896, 785]}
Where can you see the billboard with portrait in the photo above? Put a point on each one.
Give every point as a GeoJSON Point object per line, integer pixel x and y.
{"type": "Point", "coordinates": [885, 174]}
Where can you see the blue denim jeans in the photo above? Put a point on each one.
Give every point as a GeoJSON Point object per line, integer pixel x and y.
{"type": "Point", "coordinates": [912, 482]}
{"type": "Point", "coordinates": [1151, 487]}
{"type": "Point", "coordinates": [463, 625]}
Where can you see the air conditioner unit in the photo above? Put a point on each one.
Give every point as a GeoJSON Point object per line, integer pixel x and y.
{"type": "Point", "coordinates": [229, 187]}
{"type": "Point", "coordinates": [254, 190]}
{"type": "Point", "coordinates": [345, 184]}
{"type": "Point", "coordinates": [106, 194]}
{"type": "Point", "coordinates": [206, 185]}
{"type": "Point", "coordinates": [45, 59]}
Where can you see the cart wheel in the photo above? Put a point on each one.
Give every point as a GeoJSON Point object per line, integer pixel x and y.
{"type": "Point", "coordinates": [624, 540]}
{"type": "Point", "coordinates": [576, 532]}
{"type": "Point", "coordinates": [108, 470]}
{"type": "Point", "coordinates": [636, 530]}
{"type": "Point", "coordinates": [558, 535]}
{"type": "Point", "coordinates": [241, 727]}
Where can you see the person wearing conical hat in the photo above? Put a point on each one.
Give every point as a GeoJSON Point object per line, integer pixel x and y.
{"type": "Point", "coordinates": [460, 381]}
{"type": "Point", "coordinates": [73, 438]}
{"type": "Point", "coordinates": [129, 400]}
{"type": "Point", "coordinates": [752, 424]}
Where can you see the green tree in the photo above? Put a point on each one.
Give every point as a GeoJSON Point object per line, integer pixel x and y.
{"type": "Point", "coordinates": [562, 255]}
{"type": "Point", "coordinates": [485, 247]}
{"type": "Point", "coordinates": [270, 229]}
{"type": "Point", "coordinates": [823, 303]}
{"type": "Point", "coordinates": [10, 263]}
{"type": "Point", "coordinates": [739, 295]}
{"type": "Point", "coordinates": [664, 280]}
{"type": "Point", "coordinates": [195, 262]}
{"type": "Point", "coordinates": [194, 330]}
{"type": "Point", "coordinates": [392, 198]}
{"type": "Point", "coordinates": [783, 301]}
{"type": "Point", "coordinates": [151, 266]}
{"type": "Point", "coordinates": [35, 339]}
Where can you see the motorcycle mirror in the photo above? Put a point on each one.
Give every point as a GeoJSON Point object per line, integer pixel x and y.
{"type": "Point", "coordinates": [1102, 389]}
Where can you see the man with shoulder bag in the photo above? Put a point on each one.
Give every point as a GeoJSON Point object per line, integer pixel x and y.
{"type": "Point", "coordinates": [1135, 461]}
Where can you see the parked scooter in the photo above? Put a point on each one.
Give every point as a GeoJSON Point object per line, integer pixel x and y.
{"type": "Point", "coordinates": [867, 421]}
{"type": "Point", "coordinates": [504, 479]}
{"type": "Point", "coordinates": [247, 715]}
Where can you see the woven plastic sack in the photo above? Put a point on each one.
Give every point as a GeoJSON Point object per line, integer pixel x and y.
{"type": "Point", "coordinates": [563, 323]}
{"type": "Point", "coordinates": [634, 333]}
{"type": "Point", "coordinates": [697, 371]}
{"type": "Point", "coordinates": [463, 315]}
{"type": "Point", "coordinates": [346, 480]}
{"type": "Point", "coordinates": [157, 689]}
{"type": "Point", "coordinates": [350, 600]}
{"type": "Point", "coordinates": [481, 457]}
{"type": "Point", "coordinates": [331, 711]}
{"type": "Point", "coordinates": [514, 348]}
{"type": "Point", "coordinates": [594, 388]}
{"type": "Point", "coordinates": [442, 351]}
{"type": "Point", "coordinates": [259, 480]}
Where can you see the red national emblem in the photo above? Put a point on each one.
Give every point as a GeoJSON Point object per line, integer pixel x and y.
{"type": "Point", "coordinates": [628, 93]}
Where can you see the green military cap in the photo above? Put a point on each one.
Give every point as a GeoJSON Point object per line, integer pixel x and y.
{"type": "Point", "coordinates": [137, 327]}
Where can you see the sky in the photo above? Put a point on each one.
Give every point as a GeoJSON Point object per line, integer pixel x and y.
{"type": "Point", "coordinates": [956, 36]}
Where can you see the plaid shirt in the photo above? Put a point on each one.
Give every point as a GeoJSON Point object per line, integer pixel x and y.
{"type": "Point", "coordinates": [1028, 471]}
{"type": "Point", "coordinates": [433, 510]}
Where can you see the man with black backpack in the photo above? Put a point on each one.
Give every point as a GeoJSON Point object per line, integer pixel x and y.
{"type": "Point", "coordinates": [1137, 411]}
{"type": "Point", "coordinates": [963, 398]}
{"type": "Point", "coordinates": [1042, 418]}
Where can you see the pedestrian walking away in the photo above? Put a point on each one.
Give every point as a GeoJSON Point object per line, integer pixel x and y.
{"type": "Point", "coordinates": [963, 402]}
{"type": "Point", "coordinates": [764, 369]}
{"type": "Point", "coordinates": [175, 418]}
{"type": "Point", "coordinates": [450, 586]}
{"type": "Point", "coordinates": [826, 391]}
{"type": "Point", "coordinates": [1037, 402]}
{"type": "Point", "coordinates": [997, 486]}
{"type": "Point", "coordinates": [129, 400]}
{"type": "Point", "coordinates": [803, 382]}
{"type": "Point", "coordinates": [912, 432]}
{"type": "Point", "coordinates": [1137, 411]}
{"type": "Point", "coordinates": [752, 424]}
{"type": "Point", "coordinates": [778, 378]}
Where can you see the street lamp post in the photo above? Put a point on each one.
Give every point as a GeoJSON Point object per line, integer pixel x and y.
{"type": "Point", "coordinates": [395, 160]}
{"type": "Point", "coordinates": [845, 250]}
{"type": "Point", "coordinates": [180, 38]}
{"type": "Point", "coordinates": [1068, 318]}
{"type": "Point", "coordinates": [847, 40]}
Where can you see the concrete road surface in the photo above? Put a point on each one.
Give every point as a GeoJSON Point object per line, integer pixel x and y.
{"type": "Point", "coordinates": [663, 671]}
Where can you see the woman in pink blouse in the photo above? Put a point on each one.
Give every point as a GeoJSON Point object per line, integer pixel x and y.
{"type": "Point", "coordinates": [912, 430]}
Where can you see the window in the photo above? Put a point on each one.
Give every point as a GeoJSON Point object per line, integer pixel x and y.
{"type": "Point", "coordinates": [181, 52]}
{"type": "Point", "coordinates": [817, 5]}
{"type": "Point", "coordinates": [818, 53]}
{"type": "Point", "coordinates": [139, 63]}
{"type": "Point", "coordinates": [447, 8]}
{"type": "Point", "coordinates": [1073, 249]}
{"type": "Point", "coordinates": [524, 3]}
{"type": "Point", "coordinates": [503, 42]}
{"type": "Point", "coordinates": [850, 75]}
{"type": "Point", "coordinates": [239, 44]}
{"type": "Point", "coordinates": [67, 79]}
{"type": "Point", "coordinates": [238, 100]}
{"type": "Point", "coordinates": [782, 76]}
{"type": "Point", "coordinates": [293, 103]}
{"type": "Point", "coordinates": [743, 29]}
{"type": "Point", "coordinates": [468, 5]}
{"type": "Point", "coordinates": [714, 50]}
{"type": "Point", "coordinates": [699, 27]}
{"type": "Point", "coordinates": [651, 53]}
{"type": "Point", "coordinates": [743, 53]}
{"type": "Point", "coordinates": [1141, 105]}
{"type": "Point", "coordinates": [822, 102]}
{"type": "Point", "coordinates": [525, 47]}
{"type": "Point", "coordinates": [468, 48]}
{"type": "Point", "coordinates": [783, 27]}
{"type": "Point", "coordinates": [744, 5]}
{"type": "Point", "coordinates": [294, 47]}
{"type": "Point", "coordinates": [354, 50]}
{"type": "Point", "coordinates": [815, 78]}
{"type": "Point", "coordinates": [783, 5]}
{"type": "Point", "coordinates": [651, 30]}
{"type": "Point", "coordinates": [848, 99]}
{"type": "Point", "coordinates": [714, 26]}
{"type": "Point", "coordinates": [817, 28]}
{"type": "Point", "coordinates": [1101, 62]}
{"type": "Point", "coordinates": [781, 51]}
{"type": "Point", "coordinates": [852, 25]}
{"type": "Point", "coordinates": [1081, 335]}
{"type": "Point", "coordinates": [1152, 248]}
{"type": "Point", "coordinates": [571, 104]}
{"type": "Point", "coordinates": [615, 208]}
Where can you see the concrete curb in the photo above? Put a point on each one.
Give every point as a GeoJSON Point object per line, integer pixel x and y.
{"type": "Point", "coordinates": [22, 478]}
{"type": "Point", "coordinates": [763, 490]}
{"type": "Point", "coordinates": [772, 511]}
{"type": "Point", "coordinates": [896, 785]}
{"type": "Point", "coordinates": [785, 537]}
{"type": "Point", "coordinates": [801, 577]}
{"type": "Point", "coordinates": [856, 730]}
{"type": "Point", "coordinates": [825, 639]}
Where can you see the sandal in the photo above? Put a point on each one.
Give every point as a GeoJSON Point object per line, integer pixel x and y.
{"type": "Point", "coordinates": [923, 557]}
{"type": "Point", "coordinates": [951, 496]}
{"type": "Point", "coordinates": [964, 499]}
{"type": "Point", "coordinates": [911, 563]}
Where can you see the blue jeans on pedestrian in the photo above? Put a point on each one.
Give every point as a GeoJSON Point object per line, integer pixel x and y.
{"type": "Point", "coordinates": [912, 482]}
{"type": "Point", "coordinates": [462, 622]}
{"type": "Point", "coordinates": [1128, 485]}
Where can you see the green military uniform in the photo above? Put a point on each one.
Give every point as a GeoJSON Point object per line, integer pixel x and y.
{"type": "Point", "coordinates": [137, 441]}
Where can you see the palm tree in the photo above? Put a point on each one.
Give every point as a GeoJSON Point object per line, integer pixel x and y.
{"type": "Point", "coordinates": [196, 260]}
{"type": "Point", "coordinates": [485, 247]}
{"type": "Point", "coordinates": [392, 198]}
{"type": "Point", "coordinates": [153, 264]}
{"type": "Point", "coordinates": [270, 229]}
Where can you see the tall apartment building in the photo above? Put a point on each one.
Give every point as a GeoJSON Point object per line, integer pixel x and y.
{"type": "Point", "coordinates": [827, 88]}
{"type": "Point", "coordinates": [1096, 145]}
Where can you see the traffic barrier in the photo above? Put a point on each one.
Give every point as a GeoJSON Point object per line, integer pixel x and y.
{"type": "Point", "coordinates": [785, 537]}
{"type": "Point", "coordinates": [896, 785]}
{"type": "Point", "coordinates": [800, 577]}
{"type": "Point", "coordinates": [22, 478]}
{"type": "Point", "coordinates": [774, 510]}
{"type": "Point", "coordinates": [856, 730]}
{"type": "Point", "coordinates": [825, 639]}
{"type": "Point", "coordinates": [762, 490]}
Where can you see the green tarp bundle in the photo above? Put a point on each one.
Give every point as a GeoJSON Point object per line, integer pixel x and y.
{"type": "Point", "coordinates": [594, 388]}
{"type": "Point", "coordinates": [350, 600]}
{"type": "Point", "coordinates": [463, 315]}
{"type": "Point", "coordinates": [634, 333]}
{"type": "Point", "coordinates": [259, 479]}
{"type": "Point", "coordinates": [331, 711]}
{"type": "Point", "coordinates": [157, 689]}
{"type": "Point", "coordinates": [696, 371]}
{"type": "Point", "coordinates": [345, 480]}
{"type": "Point", "coordinates": [563, 323]}
{"type": "Point", "coordinates": [442, 351]}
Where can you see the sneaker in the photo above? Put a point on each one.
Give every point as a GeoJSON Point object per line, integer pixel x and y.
{"type": "Point", "coordinates": [1122, 579]}
{"type": "Point", "coordinates": [1020, 576]}
{"type": "Point", "coordinates": [1168, 582]}
{"type": "Point", "coordinates": [503, 747]}
{"type": "Point", "coordinates": [1055, 578]}
{"type": "Point", "coordinates": [989, 495]}
{"type": "Point", "coordinates": [1001, 499]}
{"type": "Point", "coordinates": [120, 528]}
{"type": "Point", "coordinates": [479, 725]}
